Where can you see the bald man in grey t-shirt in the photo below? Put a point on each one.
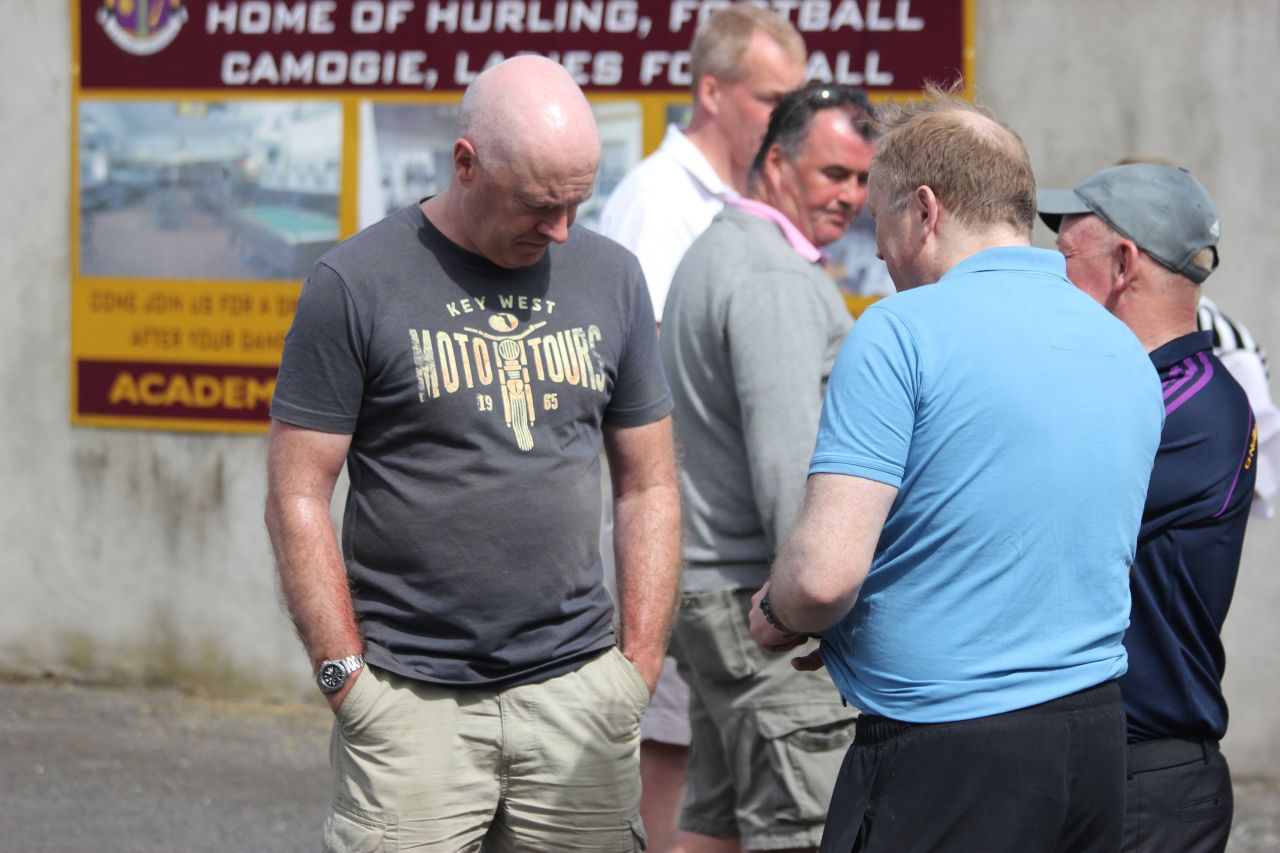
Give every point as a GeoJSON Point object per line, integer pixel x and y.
{"type": "Point", "coordinates": [467, 358]}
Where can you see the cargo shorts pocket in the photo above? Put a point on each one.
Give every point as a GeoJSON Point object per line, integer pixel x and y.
{"type": "Point", "coordinates": [805, 745]}
{"type": "Point", "coordinates": [639, 840]}
{"type": "Point", "coordinates": [713, 637]}
{"type": "Point", "coordinates": [358, 708]}
{"type": "Point", "coordinates": [636, 685]}
{"type": "Point", "coordinates": [349, 829]}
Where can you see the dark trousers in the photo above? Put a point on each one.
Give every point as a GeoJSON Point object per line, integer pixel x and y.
{"type": "Point", "coordinates": [1182, 807]}
{"type": "Point", "coordinates": [1047, 778]}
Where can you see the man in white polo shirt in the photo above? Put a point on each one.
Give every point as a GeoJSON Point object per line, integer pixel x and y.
{"type": "Point", "coordinates": [744, 59]}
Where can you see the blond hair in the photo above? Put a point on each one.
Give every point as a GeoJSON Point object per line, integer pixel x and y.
{"type": "Point", "coordinates": [976, 166]}
{"type": "Point", "coordinates": [723, 39]}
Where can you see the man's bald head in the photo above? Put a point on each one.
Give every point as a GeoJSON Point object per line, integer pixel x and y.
{"type": "Point", "coordinates": [525, 110]}
{"type": "Point", "coordinates": [525, 159]}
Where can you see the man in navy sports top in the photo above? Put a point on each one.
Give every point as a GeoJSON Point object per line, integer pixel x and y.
{"type": "Point", "coordinates": [1140, 239]}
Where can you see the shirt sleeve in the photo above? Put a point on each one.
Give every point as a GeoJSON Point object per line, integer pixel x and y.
{"type": "Point", "coordinates": [640, 391]}
{"type": "Point", "coordinates": [869, 414]}
{"type": "Point", "coordinates": [777, 332]}
{"type": "Point", "coordinates": [321, 380]}
{"type": "Point", "coordinates": [1205, 466]}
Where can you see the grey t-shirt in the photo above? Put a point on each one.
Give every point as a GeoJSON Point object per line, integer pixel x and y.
{"type": "Point", "coordinates": [475, 397]}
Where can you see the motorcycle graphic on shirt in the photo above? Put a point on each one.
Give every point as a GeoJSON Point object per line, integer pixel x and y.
{"type": "Point", "coordinates": [507, 362]}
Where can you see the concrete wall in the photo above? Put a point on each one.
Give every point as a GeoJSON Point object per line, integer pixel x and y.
{"type": "Point", "coordinates": [136, 555]}
{"type": "Point", "coordinates": [1087, 82]}
{"type": "Point", "coordinates": [142, 556]}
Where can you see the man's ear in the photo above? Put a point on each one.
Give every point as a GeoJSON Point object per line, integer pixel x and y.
{"type": "Point", "coordinates": [1124, 264]}
{"type": "Point", "coordinates": [925, 211]}
{"type": "Point", "coordinates": [464, 161]}
{"type": "Point", "coordinates": [771, 171]}
{"type": "Point", "coordinates": [709, 94]}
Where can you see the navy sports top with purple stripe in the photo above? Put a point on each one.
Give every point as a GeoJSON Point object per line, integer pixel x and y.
{"type": "Point", "coordinates": [1189, 547]}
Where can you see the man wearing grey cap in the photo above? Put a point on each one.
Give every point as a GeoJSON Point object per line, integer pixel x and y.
{"type": "Point", "coordinates": [1140, 239]}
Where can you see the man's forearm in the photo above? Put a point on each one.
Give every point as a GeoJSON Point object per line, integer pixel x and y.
{"type": "Point", "coordinates": [302, 467]}
{"type": "Point", "coordinates": [647, 546]}
{"type": "Point", "coordinates": [822, 565]}
{"type": "Point", "coordinates": [794, 600]}
{"type": "Point", "coordinates": [313, 577]}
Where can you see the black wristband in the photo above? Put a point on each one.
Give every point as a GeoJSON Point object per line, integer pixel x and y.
{"type": "Point", "coordinates": [767, 609]}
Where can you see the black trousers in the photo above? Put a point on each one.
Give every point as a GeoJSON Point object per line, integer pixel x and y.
{"type": "Point", "coordinates": [1047, 778]}
{"type": "Point", "coordinates": [1183, 808]}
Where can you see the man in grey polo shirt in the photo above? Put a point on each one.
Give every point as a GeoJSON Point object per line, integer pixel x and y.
{"type": "Point", "coordinates": [750, 330]}
{"type": "Point", "coordinates": [743, 60]}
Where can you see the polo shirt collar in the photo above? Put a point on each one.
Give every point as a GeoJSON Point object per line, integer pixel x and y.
{"type": "Point", "coordinates": [694, 162]}
{"type": "Point", "coordinates": [768, 212]}
{"type": "Point", "coordinates": [1181, 348]}
{"type": "Point", "coordinates": [1011, 257]}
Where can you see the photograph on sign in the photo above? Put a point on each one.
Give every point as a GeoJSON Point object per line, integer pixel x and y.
{"type": "Point", "coordinates": [406, 153]}
{"type": "Point", "coordinates": [205, 190]}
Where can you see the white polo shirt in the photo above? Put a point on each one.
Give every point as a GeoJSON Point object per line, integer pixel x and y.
{"type": "Point", "coordinates": [661, 206]}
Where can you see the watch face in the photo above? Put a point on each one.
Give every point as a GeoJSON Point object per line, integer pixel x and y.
{"type": "Point", "coordinates": [331, 676]}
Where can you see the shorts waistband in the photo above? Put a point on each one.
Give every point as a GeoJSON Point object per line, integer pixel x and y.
{"type": "Point", "coordinates": [874, 729]}
{"type": "Point", "coordinates": [1162, 754]}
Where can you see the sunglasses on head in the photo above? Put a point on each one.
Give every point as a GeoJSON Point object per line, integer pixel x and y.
{"type": "Point", "coordinates": [818, 98]}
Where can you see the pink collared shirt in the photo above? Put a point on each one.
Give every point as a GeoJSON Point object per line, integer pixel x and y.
{"type": "Point", "coordinates": [798, 241]}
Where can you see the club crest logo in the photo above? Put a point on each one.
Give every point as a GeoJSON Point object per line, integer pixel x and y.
{"type": "Point", "coordinates": [142, 27]}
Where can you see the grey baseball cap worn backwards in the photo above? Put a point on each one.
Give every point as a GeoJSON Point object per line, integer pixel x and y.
{"type": "Point", "coordinates": [1162, 209]}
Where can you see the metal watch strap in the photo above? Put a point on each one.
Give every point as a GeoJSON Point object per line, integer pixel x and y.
{"type": "Point", "coordinates": [347, 665]}
{"type": "Point", "coordinates": [352, 662]}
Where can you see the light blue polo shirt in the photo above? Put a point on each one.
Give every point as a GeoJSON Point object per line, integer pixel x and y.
{"type": "Point", "coordinates": [1018, 420]}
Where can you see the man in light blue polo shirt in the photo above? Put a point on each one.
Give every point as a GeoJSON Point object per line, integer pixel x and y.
{"type": "Point", "coordinates": [971, 512]}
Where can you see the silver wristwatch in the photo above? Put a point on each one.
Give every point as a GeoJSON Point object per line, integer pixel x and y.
{"type": "Point", "coordinates": [332, 674]}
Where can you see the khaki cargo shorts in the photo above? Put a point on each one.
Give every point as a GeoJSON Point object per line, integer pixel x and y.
{"type": "Point", "coordinates": [549, 766]}
{"type": "Point", "coordinates": [768, 741]}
